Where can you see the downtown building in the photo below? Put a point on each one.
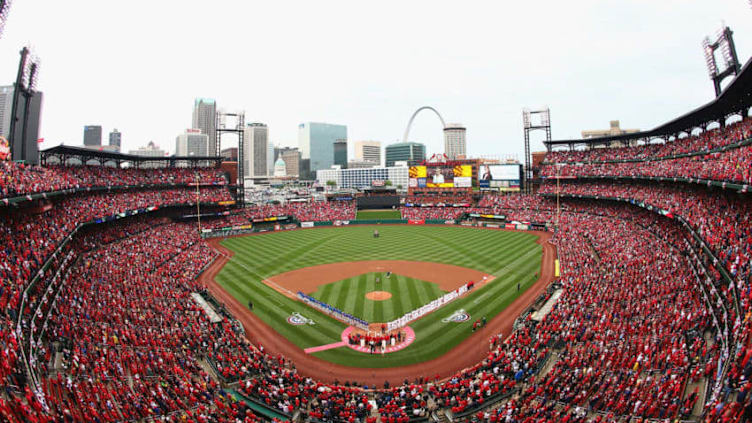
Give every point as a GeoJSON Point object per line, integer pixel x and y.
{"type": "Point", "coordinates": [256, 150]}
{"type": "Point", "coordinates": [411, 152]}
{"type": "Point", "coordinates": [92, 135]}
{"type": "Point", "coordinates": [317, 147]}
{"type": "Point", "coordinates": [455, 143]}
{"type": "Point", "coordinates": [192, 143]}
{"type": "Point", "coordinates": [116, 139]}
{"type": "Point", "coordinates": [291, 157]}
{"type": "Point", "coordinates": [364, 177]}
{"type": "Point", "coordinates": [150, 150]}
{"type": "Point", "coordinates": [24, 145]}
{"type": "Point", "coordinates": [205, 119]}
{"type": "Point", "coordinates": [368, 151]}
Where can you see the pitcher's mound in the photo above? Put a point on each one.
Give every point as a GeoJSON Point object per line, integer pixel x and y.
{"type": "Point", "coordinates": [379, 295]}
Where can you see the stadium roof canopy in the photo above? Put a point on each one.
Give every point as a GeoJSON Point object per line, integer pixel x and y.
{"type": "Point", "coordinates": [736, 98]}
{"type": "Point", "coordinates": [62, 154]}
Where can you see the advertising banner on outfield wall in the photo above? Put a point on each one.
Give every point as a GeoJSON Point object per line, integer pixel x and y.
{"type": "Point", "coordinates": [416, 221]}
{"type": "Point", "coordinates": [306, 224]}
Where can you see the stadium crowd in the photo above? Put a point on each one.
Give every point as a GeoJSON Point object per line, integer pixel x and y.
{"type": "Point", "coordinates": [702, 143]}
{"type": "Point", "coordinates": [727, 166]}
{"type": "Point", "coordinates": [629, 338]}
{"type": "Point", "coordinates": [17, 179]}
{"type": "Point", "coordinates": [313, 211]}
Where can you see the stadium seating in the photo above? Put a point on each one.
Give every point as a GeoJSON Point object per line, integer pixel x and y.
{"type": "Point", "coordinates": [631, 337]}
{"type": "Point", "coordinates": [17, 179]}
{"type": "Point", "coordinates": [702, 143]}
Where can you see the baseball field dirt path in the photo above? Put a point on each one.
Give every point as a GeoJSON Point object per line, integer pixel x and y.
{"type": "Point", "coordinates": [468, 353]}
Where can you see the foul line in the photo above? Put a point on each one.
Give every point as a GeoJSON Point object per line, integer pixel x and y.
{"type": "Point", "coordinates": [324, 347]}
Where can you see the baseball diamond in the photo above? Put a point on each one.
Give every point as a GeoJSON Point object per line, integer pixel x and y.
{"type": "Point", "coordinates": [339, 266]}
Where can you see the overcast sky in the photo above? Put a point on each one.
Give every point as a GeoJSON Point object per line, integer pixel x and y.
{"type": "Point", "coordinates": [138, 65]}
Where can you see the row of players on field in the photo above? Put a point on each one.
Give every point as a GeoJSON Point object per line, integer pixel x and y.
{"type": "Point", "coordinates": [377, 342]}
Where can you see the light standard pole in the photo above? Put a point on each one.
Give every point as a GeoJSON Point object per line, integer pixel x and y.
{"type": "Point", "coordinates": [198, 203]}
{"type": "Point", "coordinates": [558, 194]}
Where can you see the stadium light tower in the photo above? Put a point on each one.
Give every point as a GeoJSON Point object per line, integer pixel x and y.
{"type": "Point", "coordinates": [4, 7]}
{"type": "Point", "coordinates": [724, 41]}
{"type": "Point", "coordinates": [528, 125]}
{"type": "Point", "coordinates": [26, 83]}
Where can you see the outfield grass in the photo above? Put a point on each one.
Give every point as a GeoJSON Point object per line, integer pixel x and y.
{"type": "Point", "coordinates": [513, 257]}
{"type": "Point", "coordinates": [349, 295]}
{"type": "Point", "coordinates": [378, 214]}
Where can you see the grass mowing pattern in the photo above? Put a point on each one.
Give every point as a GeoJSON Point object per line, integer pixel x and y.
{"type": "Point", "coordinates": [407, 294]}
{"type": "Point", "coordinates": [378, 214]}
{"type": "Point", "coordinates": [513, 257]}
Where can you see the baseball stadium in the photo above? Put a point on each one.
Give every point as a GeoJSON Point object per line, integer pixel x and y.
{"type": "Point", "coordinates": [601, 279]}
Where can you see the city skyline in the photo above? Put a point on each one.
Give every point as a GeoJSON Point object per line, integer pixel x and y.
{"type": "Point", "coordinates": [482, 74]}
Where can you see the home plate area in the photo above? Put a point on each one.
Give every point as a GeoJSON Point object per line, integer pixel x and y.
{"type": "Point", "coordinates": [360, 341]}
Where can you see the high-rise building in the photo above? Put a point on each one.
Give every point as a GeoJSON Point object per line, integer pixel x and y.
{"type": "Point", "coordinates": [340, 153]}
{"type": "Point", "coordinates": [192, 143]}
{"type": "Point", "coordinates": [205, 119]}
{"type": "Point", "coordinates": [92, 135]}
{"type": "Point", "coordinates": [115, 139]}
{"type": "Point", "coordinates": [6, 106]}
{"type": "Point", "coordinates": [291, 157]}
{"type": "Point", "coordinates": [23, 147]}
{"type": "Point", "coordinates": [256, 149]}
{"type": "Point", "coordinates": [455, 144]}
{"type": "Point", "coordinates": [270, 159]}
{"type": "Point", "coordinates": [368, 151]}
{"type": "Point", "coordinates": [316, 142]}
{"type": "Point", "coordinates": [410, 152]}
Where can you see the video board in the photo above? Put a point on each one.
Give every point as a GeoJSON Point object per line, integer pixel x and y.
{"type": "Point", "coordinates": [505, 177]}
{"type": "Point", "coordinates": [441, 176]}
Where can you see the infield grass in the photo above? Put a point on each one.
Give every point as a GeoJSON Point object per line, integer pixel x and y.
{"type": "Point", "coordinates": [349, 295]}
{"type": "Point", "coordinates": [513, 257]}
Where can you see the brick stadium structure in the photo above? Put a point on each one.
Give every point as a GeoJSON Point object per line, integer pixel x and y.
{"type": "Point", "coordinates": [104, 293]}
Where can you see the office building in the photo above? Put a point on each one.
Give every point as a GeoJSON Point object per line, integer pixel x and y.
{"type": "Point", "coordinates": [115, 139]}
{"type": "Point", "coordinates": [368, 151]}
{"type": "Point", "coordinates": [364, 178]}
{"type": "Point", "coordinates": [192, 143]}
{"type": "Point", "coordinates": [150, 150]}
{"type": "Point", "coordinates": [24, 146]}
{"type": "Point", "coordinates": [270, 162]}
{"type": "Point", "coordinates": [613, 130]}
{"type": "Point", "coordinates": [455, 144]}
{"type": "Point", "coordinates": [410, 152]}
{"type": "Point", "coordinates": [291, 157]}
{"type": "Point", "coordinates": [256, 145]}
{"type": "Point", "coordinates": [340, 153]}
{"type": "Point", "coordinates": [205, 119]}
{"type": "Point", "coordinates": [6, 106]}
{"type": "Point", "coordinates": [316, 143]}
{"type": "Point", "coordinates": [230, 154]}
{"type": "Point", "coordinates": [361, 164]}
{"type": "Point", "coordinates": [92, 135]}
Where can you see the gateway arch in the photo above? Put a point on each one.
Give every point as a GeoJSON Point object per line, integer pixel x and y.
{"type": "Point", "coordinates": [410, 123]}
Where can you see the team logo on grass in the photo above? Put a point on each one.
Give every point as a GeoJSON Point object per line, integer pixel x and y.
{"type": "Point", "coordinates": [458, 316]}
{"type": "Point", "coordinates": [298, 319]}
